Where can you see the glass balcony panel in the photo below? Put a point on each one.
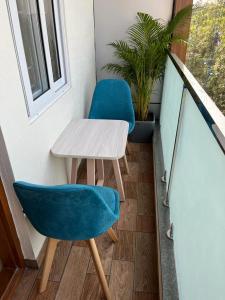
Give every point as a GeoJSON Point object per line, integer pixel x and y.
{"type": "Point", "coordinates": [171, 100]}
{"type": "Point", "coordinates": [197, 207]}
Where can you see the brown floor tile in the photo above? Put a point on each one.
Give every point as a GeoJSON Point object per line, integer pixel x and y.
{"type": "Point", "coordinates": [133, 172]}
{"type": "Point", "coordinates": [146, 178]}
{"type": "Point", "coordinates": [129, 206]}
{"type": "Point", "coordinates": [105, 248]}
{"type": "Point", "coordinates": [131, 189]}
{"type": "Point", "coordinates": [127, 222]}
{"type": "Point", "coordinates": [145, 199]}
{"type": "Point", "coordinates": [145, 296]}
{"type": "Point", "coordinates": [72, 282]}
{"type": "Point", "coordinates": [26, 283]}
{"type": "Point", "coordinates": [146, 224]}
{"type": "Point", "coordinates": [48, 294]}
{"type": "Point", "coordinates": [133, 157]}
{"type": "Point", "coordinates": [124, 248]}
{"type": "Point", "coordinates": [128, 213]}
{"type": "Point", "coordinates": [59, 262]}
{"type": "Point", "coordinates": [134, 147]}
{"type": "Point", "coordinates": [146, 147]}
{"type": "Point", "coordinates": [121, 280]}
{"type": "Point", "coordinates": [92, 289]}
{"type": "Point", "coordinates": [146, 167]}
{"type": "Point", "coordinates": [146, 157]}
{"type": "Point", "coordinates": [145, 263]}
{"type": "Point", "coordinates": [80, 244]}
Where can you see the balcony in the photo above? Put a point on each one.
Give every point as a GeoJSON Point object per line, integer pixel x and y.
{"type": "Point", "coordinates": [170, 240]}
{"type": "Point", "coordinates": [171, 225]}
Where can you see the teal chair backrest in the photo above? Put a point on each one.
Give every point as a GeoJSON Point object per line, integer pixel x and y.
{"type": "Point", "coordinates": [69, 212]}
{"type": "Point", "coordinates": [112, 100]}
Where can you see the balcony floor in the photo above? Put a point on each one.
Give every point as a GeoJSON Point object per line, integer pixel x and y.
{"type": "Point", "coordinates": [130, 265]}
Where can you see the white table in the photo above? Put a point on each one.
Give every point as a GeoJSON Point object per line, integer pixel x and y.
{"type": "Point", "coordinates": [94, 140]}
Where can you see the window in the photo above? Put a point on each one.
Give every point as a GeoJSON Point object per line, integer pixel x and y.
{"type": "Point", "coordinates": [39, 40]}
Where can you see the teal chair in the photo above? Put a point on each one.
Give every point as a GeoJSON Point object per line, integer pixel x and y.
{"type": "Point", "coordinates": [70, 212]}
{"type": "Point", "coordinates": [112, 100]}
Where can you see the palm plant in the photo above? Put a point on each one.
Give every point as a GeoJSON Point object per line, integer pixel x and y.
{"type": "Point", "coordinates": [142, 58]}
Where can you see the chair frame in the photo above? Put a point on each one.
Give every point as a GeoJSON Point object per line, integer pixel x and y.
{"type": "Point", "coordinates": [50, 253]}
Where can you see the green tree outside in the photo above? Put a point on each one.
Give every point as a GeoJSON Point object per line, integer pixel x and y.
{"type": "Point", "coordinates": [206, 48]}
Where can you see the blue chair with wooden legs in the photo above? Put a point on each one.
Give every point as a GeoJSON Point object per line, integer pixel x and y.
{"type": "Point", "coordinates": [70, 212]}
{"type": "Point", "coordinates": [112, 100]}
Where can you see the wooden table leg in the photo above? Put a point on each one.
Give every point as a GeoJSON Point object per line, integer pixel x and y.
{"type": "Point", "coordinates": [126, 164]}
{"type": "Point", "coordinates": [91, 171]}
{"type": "Point", "coordinates": [68, 174]}
{"type": "Point", "coordinates": [100, 172]}
{"type": "Point", "coordinates": [73, 179]}
{"type": "Point", "coordinates": [118, 176]}
{"type": "Point", "coordinates": [128, 151]}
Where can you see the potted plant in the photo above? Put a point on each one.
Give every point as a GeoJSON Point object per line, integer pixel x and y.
{"type": "Point", "coordinates": [142, 62]}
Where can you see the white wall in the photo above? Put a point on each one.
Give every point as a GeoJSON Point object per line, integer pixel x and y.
{"type": "Point", "coordinates": [112, 19]}
{"type": "Point", "coordinates": [29, 143]}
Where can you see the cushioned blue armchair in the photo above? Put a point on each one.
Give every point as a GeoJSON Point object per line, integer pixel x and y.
{"type": "Point", "coordinates": [70, 212]}
{"type": "Point", "coordinates": [112, 100]}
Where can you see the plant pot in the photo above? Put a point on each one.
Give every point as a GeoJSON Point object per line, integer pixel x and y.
{"type": "Point", "coordinates": [143, 130]}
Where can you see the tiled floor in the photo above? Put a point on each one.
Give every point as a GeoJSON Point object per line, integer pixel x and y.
{"type": "Point", "coordinates": [130, 265]}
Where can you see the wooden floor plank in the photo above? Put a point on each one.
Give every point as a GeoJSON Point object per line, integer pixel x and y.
{"type": "Point", "coordinates": [128, 213]}
{"type": "Point", "coordinates": [131, 189]}
{"type": "Point", "coordinates": [130, 206]}
{"type": "Point", "coordinates": [134, 147]}
{"type": "Point", "coordinates": [146, 157]}
{"type": "Point", "coordinates": [48, 294]}
{"type": "Point", "coordinates": [80, 244]}
{"type": "Point", "coordinates": [145, 296]}
{"type": "Point", "coordinates": [92, 289]}
{"type": "Point", "coordinates": [146, 223]}
{"type": "Point", "coordinates": [121, 280]}
{"type": "Point", "coordinates": [133, 172]}
{"type": "Point", "coordinates": [59, 262]}
{"type": "Point", "coordinates": [133, 157]}
{"type": "Point", "coordinates": [146, 147]}
{"type": "Point", "coordinates": [145, 263]}
{"type": "Point", "coordinates": [145, 199]}
{"type": "Point", "coordinates": [72, 282]}
{"type": "Point", "coordinates": [25, 285]}
{"type": "Point", "coordinates": [124, 248]}
{"type": "Point", "coordinates": [105, 248]}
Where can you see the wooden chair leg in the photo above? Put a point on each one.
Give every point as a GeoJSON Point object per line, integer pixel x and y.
{"type": "Point", "coordinates": [98, 266]}
{"type": "Point", "coordinates": [100, 172]}
{"type": "Point", "coordinates": [126, 164]}
{"type": "Point", "coordinates": [119, 180]}
{"type": "Point", "coordinates": [52, 244]}
{"type": "Point", "coordinates": [113, 235]}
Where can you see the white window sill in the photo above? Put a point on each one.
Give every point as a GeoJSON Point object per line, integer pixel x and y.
{"type": "Point", "coordinates": [60, 94]}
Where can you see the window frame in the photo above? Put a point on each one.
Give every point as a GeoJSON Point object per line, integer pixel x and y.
{"type": "Point", "coordinates": [58, 88]}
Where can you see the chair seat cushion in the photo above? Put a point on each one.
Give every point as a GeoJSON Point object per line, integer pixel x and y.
{"type": "Point", "coordinates": [69, 212]}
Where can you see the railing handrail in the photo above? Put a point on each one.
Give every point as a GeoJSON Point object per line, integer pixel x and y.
{"type": "Point", "coordinates": [211, 113]}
